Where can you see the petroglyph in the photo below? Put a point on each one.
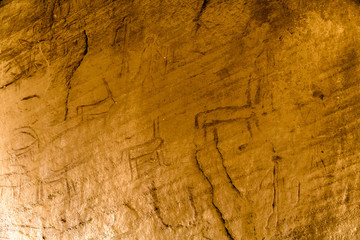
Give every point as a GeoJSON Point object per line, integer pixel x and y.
{"type": "Point", "coordinates": [145, 157]}
{"type": "Point", "coordinates": [273, 89]}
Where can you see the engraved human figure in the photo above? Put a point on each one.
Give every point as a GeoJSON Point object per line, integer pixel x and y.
{"type": "Point", "coordinates": [153, 64]}
{"type": "Point", "coordinates": [121, 39]}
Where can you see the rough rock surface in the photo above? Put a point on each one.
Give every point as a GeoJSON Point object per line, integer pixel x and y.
{"type": "Point", "coordinates": [179, 119]}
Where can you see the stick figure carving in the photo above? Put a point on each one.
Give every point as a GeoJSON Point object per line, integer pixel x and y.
{"type": "Point", "coordinates": [153, 64]}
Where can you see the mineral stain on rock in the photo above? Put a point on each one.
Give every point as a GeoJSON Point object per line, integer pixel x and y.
{"type": "Point", "coordinates": [318, 94]}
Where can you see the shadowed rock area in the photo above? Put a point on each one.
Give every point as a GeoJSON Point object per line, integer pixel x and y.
{"type": "Point", "coordinates": [179, 119]}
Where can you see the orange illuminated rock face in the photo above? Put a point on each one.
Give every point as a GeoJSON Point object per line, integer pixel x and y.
{"type": "Point", "coordinates": [179, 119]}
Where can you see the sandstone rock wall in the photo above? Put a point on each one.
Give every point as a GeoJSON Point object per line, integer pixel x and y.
{"type": "Point", "coordinates": [179, 119]}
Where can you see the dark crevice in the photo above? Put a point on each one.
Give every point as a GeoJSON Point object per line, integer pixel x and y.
{"type": "Point", "coordinates": [242, 147]}
{"type": "Point", "coordinates": [216, 139]}
{"type": "Point", "coordinates": [212, 198]}
{"type": "Point", "coordinates": [274, 188]}
{"type": "Point", "coordinates": [299, 187]}
{"type": "Point", "coordinates": [68, 191]}
{"type": "Point", "coordinates": [247, 93]}
{"type": "Point", "coordinates": [80, 224]}
{"type": "Point", "coordinates": [127, 204]}
{"type": "Point", "coordinates": [86, 43]}
{"type": "Point", "coordinates": [318, 94]}
{"type": "Point", "coordinates": [276, 160]}
{"type": "Point", "coordinates": [203, 7]}
{"type": "Point", "coordinates": [10, 83]}
{"type": "Point", "coordinates": [30, 97]}
{"type": "Point", "coordinates": [192, 203]}
{"type": "Point", "coordinates": [66, 103]}
{"type": "Point", "coordinates": [258, 92]}
{"type": "Point", "coordinates": [77, 64]}
{"type": "Point", "coordinates": [156, 206]}
{"type": "Point", "coordinates": [50, 17]}
{"type": "Point", "coordinates": [198, 16]}
{"type": "Point", "coordinates": [70, 75]}
{"type": "Point", "coordinates": [323, 163]}
{"type": "Point", "coordinates": [249, 128]}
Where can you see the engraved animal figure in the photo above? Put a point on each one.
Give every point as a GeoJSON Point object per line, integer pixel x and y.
{"type": "Point", "coordinates": [10, 182]}
{"type": "Point", "coordinates": [144, 157]}
{"type": "Point", "coordinates": [19, 185]}
{"type": "Point", "coordinates": [98, 108]}
{"type": "Point", "coordinates": [227, 199]}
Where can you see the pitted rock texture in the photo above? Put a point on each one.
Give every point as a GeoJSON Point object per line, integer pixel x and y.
{"type": "Point", "coordinates": [179, 119]}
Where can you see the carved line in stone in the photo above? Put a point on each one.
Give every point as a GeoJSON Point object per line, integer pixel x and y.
{"type": "Point", "coordinates": [20, 133]}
